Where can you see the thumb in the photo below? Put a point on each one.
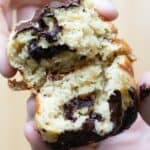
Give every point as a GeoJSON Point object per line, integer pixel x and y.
{"type": "Point", "coordinates": [5, 67]}
{"type": "Point", "coordinates": [145, 97]}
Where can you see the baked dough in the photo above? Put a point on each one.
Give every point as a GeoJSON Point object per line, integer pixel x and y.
{"type": "Point", "coordinates": [80, 71]}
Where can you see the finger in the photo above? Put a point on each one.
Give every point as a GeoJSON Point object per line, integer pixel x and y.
{"type": "Point", "coordinates": [4, 4]}
{"type": "Point", "coordinates": [106, 8]}
{"type": "Point", "coordinates": [145, 97]}
{"type": "Point", "coordinates": [5, 67]}
{"type": "Point", "coordinates": [34, 137]}
{"type": "Point", "coordinates": [22, 3]}
{"type": "Point", "coordinates": [31, 108]}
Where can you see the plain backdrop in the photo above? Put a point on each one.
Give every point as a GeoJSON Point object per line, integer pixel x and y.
{"type": "Point", "coordinates": [134, 26]}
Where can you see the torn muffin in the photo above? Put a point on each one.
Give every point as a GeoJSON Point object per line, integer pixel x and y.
{"type": "Point", "coordinates": [80, 71]}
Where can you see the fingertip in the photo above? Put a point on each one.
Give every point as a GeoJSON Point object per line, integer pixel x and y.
{"type": "Point", "coordinates": [106, 9]}
{"type": "Point", "coordinates": [33, 136]}
{"type": "Point", "coordinates": [29, 131]}
{"type": "Point", "coordinates": [5, 68]}
{"type": "Point", "coordinates": [31, 108]}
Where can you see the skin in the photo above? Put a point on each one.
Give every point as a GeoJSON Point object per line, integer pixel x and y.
{"type": "Point", "coordinates": [25, 9]}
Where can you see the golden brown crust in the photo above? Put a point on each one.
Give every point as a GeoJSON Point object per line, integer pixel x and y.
{"type": "Point", "coordinates": [113, 28]}
{"type": "Point", "coordinates": [124, 47]}
{"type": "Point", "coordinates": [17, 85]}
{"type": "Point", "coordinates": [126, 65]}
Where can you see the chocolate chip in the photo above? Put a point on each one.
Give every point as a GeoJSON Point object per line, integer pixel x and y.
{"type": "Point", "coordinates": [51, 36]}
{"type": "Point", "coordinates": [115, 104]}
{"type": "Point", "coordinates": [43, 130]}
{"type": "Point", "coordinates": [96, 116]}
{"type": "Point", "coordinates": [89, 124]}
{"type": "Point", "coordinates": [144, 92]}
{"type": "Point", "coordinates": [39, 53]}
{"type": "Point", "coordinates": [130, 116]}
{"type": "Point", "coordinates": [86, 100]}
{"type": "Point", "coordinates": [87, 135]}
{"type": "Point", "coordinates": [38, 26]}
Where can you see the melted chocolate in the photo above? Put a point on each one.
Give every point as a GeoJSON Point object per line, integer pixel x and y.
{"type": "Point", "coordinates": [39, 53]}
{"type": "Point", "coordinates": [89, 124]}
{"type": "Point", "coordinates": [130, 116]}
{"type": "Point", "coordinates": [144, 92]}
{"type": "Point", "coordinates": [41, 30]}
{"type": "Point", "coordinates": [51, 36]}
{"type": "Point", "coordinates": [115, 104]}
{"type": "Point", "coordinates": [36, 24]}
{"type": "Point", "coordinates": [75, 139]}
{"type": "Point", "coordinates": [78, 103]}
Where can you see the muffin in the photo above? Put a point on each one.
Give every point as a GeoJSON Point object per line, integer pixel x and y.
{"type": "Point", "coordinates": [79, 70]}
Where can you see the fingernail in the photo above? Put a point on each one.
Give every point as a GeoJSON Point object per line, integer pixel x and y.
{"type": "Point", "coordinates": [106, 8]}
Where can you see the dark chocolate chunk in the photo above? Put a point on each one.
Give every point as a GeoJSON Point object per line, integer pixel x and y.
{"type": "Point", "coordinates": [77, 103]}
{"type": "Point", "coordinates": [39, 53]}
{"type": "Point", "coordinates": [89, 124]}
{"type": "Point", "coordinates": [130, 116]}
{"type": "Point", "coordinates": [144, 92]}
{"type": "Point", "coordinates": [96, 116]}
{"type": "Point", "coordinates": [37, 25]}
{"type": "Point", "coordinates": [51, 36]}
{"type": "Point", "coordinates": [43, 130]}
{"type": "Point", "coordinates": [72, 139]}
{"type": "Point", "coordinates": [115, 104]}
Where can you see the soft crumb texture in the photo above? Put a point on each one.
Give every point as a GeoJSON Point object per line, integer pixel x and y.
{"type": "Point", "coordinates": [80, 71]}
